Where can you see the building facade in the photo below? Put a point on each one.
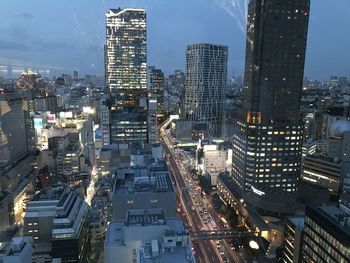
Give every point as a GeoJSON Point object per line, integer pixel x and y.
{"type": "Point", "coordinates": [139, 188]}
{"type": "Point", "coordinates": [326, 234]}
{"type": "Point", "coordinates": [155, 79]}
{"type": "Point", "coordinates": [322, 171]}
{"type": "Point", "coordinates": [293, 236]}
{"type": "Point", "coordinates": [126, 74]}
{"type": "Point", "coordinates": [267, 140]}
{"type": "Point", "coordinates": [56, 219]}
{"type": "Point", "coordinates": [13, 139]}
{"type": "Point", "coordinates": [147, 236]}
{"type": "Point", "coordinates": [206, 75]}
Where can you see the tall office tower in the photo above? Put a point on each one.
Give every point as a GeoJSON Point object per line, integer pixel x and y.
{"type": "Point", "coordinates": [126, 74]}
{"type": "Point", "coordinates": [152, 119]}
{"type": "Point", "coordinates": [105, 120]}
{"type": "Point", "coordinates": [155, 79]}
{"type": "Point", "coordinates": [268, 135]}
{"type": "Point", "coordinates": [206, 74]}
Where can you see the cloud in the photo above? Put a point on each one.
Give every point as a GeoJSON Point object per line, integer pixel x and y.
{"type": "Point", "coordinates": [13, 45]}
{"type": "Point", "coordinates": [7, 61]}
{"type": "Point", "coordinates": [95, 48]}
{"type": "Point", "coordinates": [24, 15]}
{"type": "Point", "coordinates": [49, 45]}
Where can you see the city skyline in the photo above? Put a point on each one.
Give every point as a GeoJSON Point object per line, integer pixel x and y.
{"type": "Point", "coordinates": [107, 157]}
{"type": "Point", "coordinates": [76, 43]}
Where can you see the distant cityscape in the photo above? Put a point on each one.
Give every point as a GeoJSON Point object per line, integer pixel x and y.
{"type": "Point", "coordinates": [199, 165]}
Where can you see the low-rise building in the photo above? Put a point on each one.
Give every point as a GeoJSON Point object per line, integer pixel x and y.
{"type": "Point", "coordinates": [213, 159]}
{"type": "Point", "coordinates": [20, 251]}
{"type": "Point", "coordinates": [147, 236]}
{"type": "Point", "coordinates": [322, 171]}
{"type": "Point", "coordinates": [142, 188]}
{"type": "Point", "coordinates": [56, 219]}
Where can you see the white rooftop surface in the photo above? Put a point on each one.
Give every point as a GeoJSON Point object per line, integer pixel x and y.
{"type": "Point", "coordinates": [180, 255]}
{"type": "Point", "coordinates": [115, 237]}
{"type": "Point", "coordinates": [116, 248]}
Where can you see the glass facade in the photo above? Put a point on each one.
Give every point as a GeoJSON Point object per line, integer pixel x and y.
{"type": "Point", "coordinates": [268, 134]}
{"type": "Point", "coordinates": [126, 74]}
{"type": "Point", "coordinates": [206, 74]}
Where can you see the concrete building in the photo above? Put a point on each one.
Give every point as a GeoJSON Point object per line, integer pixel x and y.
{"type": "Point", "coordinates": [15, 180]}
{"type": "Point", "coordinates": [155, 83]}
{"type": "Point", "coordinates": [309, 148]}
{"type": "Point", "coordinates": [152, 120]}
{"type": "Point", "coordinates": [46, 103]}
{"type": "Point", "coordinates": [147, 236]}
{"type": "Point", "coordinates": [268, 134]}
{"type": "Point", "coordinates": [56, 219]}
{"type": "Point", "coordinates": [142, 188]}
{"type": "Point", "coordinates": [126, 74]}
{"type": "Point", "coordinates": [338, 147]}
{"type": "Point", "coordinates": [105, 122]}
{"type": "Point", "coordinates": [6, 211]}
{"type": "Point", "coordinates": [13, 139]}
{"type": "Point", "coordinates": [293, 237]}
{"type": "Point", "coordinates": [20, 251]}
{"type": "Point", "coordinates": [213, 159]}
{"type": "Point", "coordinates": [206, 75]}
{"type": "Point", "coordinates": [326, 234]}
{"type": "Point", "coordinates": [322, 171]}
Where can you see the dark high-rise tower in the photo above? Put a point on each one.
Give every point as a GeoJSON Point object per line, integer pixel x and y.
{"type": "Point", "coordinates": [267, 142]}
{"type": "Point", "coordinates": [155, 79]}
{"type": "Point", "coordinates": [126, 74]}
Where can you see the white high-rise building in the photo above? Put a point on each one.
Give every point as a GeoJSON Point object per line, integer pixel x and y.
{"type": "Point", "coordinates": [206, 75]}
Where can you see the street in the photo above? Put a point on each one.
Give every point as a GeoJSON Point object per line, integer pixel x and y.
{"type": "Point", "coordinates": [196, 212]}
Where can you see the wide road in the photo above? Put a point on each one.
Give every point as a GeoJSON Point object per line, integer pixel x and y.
{"type": "Point", "coordinates": [207, 251]}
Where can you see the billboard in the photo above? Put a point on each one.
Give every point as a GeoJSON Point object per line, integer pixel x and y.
{"type": "Point", "coordinates": [51, 118]}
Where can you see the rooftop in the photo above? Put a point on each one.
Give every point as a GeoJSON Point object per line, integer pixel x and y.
{"type": "Point", "coordinates": [298, 221]}
{"type": "Point", "coordinates": [178, 254]}
{"type": "Point", "coordinates": [323, 158]}
{"type": "Point", "coordinates": [145, 217]}
{"type": "Point", "coordinates": [122, 239]}
{"type": "Point", "coordinates": [159, 182]}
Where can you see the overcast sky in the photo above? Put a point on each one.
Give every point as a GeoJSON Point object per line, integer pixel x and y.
{"type": "Point", "coordinates": [69, 35]}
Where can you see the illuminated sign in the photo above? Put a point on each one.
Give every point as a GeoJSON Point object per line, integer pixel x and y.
{"type": "Point", "coordinates": [51, 118]}
{"type": "Point", "coordinates": [38, 123]}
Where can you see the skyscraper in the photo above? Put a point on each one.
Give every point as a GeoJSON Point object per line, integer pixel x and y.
{"type": "Point", "coordinates": [268, 136]}
{"type": "Point", "coordinates": [206, 74]}
{"type": "Point", "coordinates": [126, 74]}
{"type": "Point", "coordinates": [156, 86]}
